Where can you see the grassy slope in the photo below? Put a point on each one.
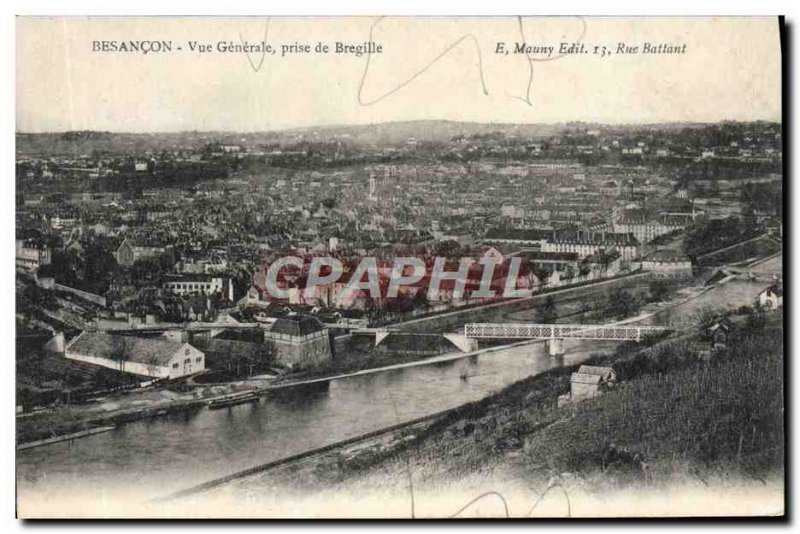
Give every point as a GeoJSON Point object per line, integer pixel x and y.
{"type": "Point", "coordinates": [673, 415]}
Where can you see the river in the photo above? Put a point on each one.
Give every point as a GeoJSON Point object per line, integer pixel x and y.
{"type": "Point", "coordinates": [155, 457]}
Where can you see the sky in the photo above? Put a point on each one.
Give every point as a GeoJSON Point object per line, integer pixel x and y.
{"type": "Point", "coordinates": [429, 68]}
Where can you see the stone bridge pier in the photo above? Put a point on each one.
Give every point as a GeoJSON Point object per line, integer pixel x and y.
{"type": "Point", "coordinates": [555, 346]}
{"type": "Point", "coordinates": [462, 342]}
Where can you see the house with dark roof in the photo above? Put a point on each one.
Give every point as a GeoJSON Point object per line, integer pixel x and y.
{"type": "Point", "coordinates": [586, 243]}
{"type": "Point", "coordinates": [515, 236]}
{"type": "Point", "coordinates": [146, 357]}
{"type": "Point", "coordinates": [588, 382]}
{"type": "Point", "coordinates": [771, 297]}
{"type": "Point", "coordinates": [636, 221]}
{"type": "Point", "coordinates": [299, 341]}
{"type": "Point", "coordinates": [129, 252]}
{"type": "Point", "coordinates": [720, 332]}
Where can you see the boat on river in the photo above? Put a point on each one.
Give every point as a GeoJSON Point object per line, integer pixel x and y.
{"type": "Point", "coordinates": [233, 399]}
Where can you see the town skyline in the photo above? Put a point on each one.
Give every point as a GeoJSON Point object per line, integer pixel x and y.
{"type": "Point", "coordinates": [279, 129]}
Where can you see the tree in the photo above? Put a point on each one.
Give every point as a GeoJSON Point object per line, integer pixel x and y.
{"type": "Point", "coordinates": [756, 320]}
{"type": "Point", "coordinates": [659, 290]}
{"type": "Point", "coordinates": [711, 234]}
{"type": "Point", "coordinates": [542, 274]}
{"type": "Point", "coordinates": [621, 304]}
{"type": "Point", "coordinates": [402, 303]}
{"type": "Point", "coordinates": [448, 248]}
{"type": "Point", "coordinates": [121, 350]}
{"type": "Point", "coordinates": [421, 299]}
{"type": "Point", "coordinates": [546, 311]}
{"type": "Point", "coordinates": [152, 366]}
{"type": "Point", "coordinates": [583, 309]}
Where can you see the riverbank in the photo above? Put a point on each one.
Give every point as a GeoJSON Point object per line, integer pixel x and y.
{"type": "Point", "coordinates": [133, 405]}
{"type": "Point", "coordinates": [120, 408]}
{"type": "Point", "coordinates": [358, 360]}
{"type": "Point", "coordinates": [678, 425]}
{"type": "Point", "coordinates": [55, 423]}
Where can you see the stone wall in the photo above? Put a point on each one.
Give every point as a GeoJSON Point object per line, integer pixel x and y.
{"type": "Point", "coordinates": [311, 351]}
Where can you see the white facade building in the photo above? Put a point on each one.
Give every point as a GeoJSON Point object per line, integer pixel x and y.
{"type": "Point", "coordinates": [151, 357]}
{"type": "Point", "coordinates": [30, 257]}
{"type": "Point", "coordinates": [771, 297]}
{"type": "Point", "coordinates": [668, 264]}
{"type": "Point", "coordinates": [589, 243]}
{"type": "Point", "coordinates": [201, 286]}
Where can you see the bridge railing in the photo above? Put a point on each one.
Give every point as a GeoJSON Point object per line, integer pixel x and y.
{"type": "Point", "coordinates": [559, 331]}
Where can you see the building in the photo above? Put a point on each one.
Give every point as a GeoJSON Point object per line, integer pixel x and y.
{"type": "Point", "coordinates": [771, 297]}
{"type": "Point", "coordinates": [514, 236]}
{"type": "Point", "coordinates": [129, 253]}
{"type": "Point", "coordinates": [299, 342]}
{"type": "Point", "coordinates": [150, 357]}
{"type": "Point", "coordinates": [31, 257]}
{"type": "Point", "coordinates": [214, 264]}
{"type": "Point", "coordinates": [668, 264]}
{"type": "Point", "coordinates": [586, 243]}
{"type": "Point", "coordinates": [646, 231]}
{"type": "Point", "coordinates": [551, 261]}
{"type": "Point", "coordinates": [719, 333]}
{"type": "Point", "coordinates": [588, 382]}
{"type": "Point", "coordinates": [200, 285]}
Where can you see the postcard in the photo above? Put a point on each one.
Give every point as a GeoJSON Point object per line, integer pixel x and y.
{"type": "Point", "coordinates": [399, 267]}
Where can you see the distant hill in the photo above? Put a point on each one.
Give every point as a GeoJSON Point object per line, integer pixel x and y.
{"type": "Point", "coordinates": [86, 142]}
{"type": "Point", "coordinates": [390, 133]}
{"type": "Point", "coordinates": [382, 134]}
{"type": "Point", "coordinates": [393, 133]}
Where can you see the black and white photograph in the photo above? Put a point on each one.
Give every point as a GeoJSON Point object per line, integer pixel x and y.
{"type": "Point", "coordinates": [399, 267]}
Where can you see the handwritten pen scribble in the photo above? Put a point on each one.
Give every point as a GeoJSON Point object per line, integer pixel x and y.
{"type": "Point", "coordinates": [447, 50]}
{"type": "Point", "coordinates": [467, 37]}
{"type": "Point", "coordinates": [263, 51]}
{"type": "Point", "coordinates": [552, 484]}
{"type": "Point", "coordinates": [527, 97]}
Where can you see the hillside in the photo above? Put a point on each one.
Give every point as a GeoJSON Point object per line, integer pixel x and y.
{"type": "Point", "coordinates": [380, 134]}
{"type": "Point", "coordinates": [675, 420]}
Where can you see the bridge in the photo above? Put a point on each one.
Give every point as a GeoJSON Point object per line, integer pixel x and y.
{"type": "Point", "coordinates": [555, 334]}
{"type": "Point", "coordinates": [748, 273]}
